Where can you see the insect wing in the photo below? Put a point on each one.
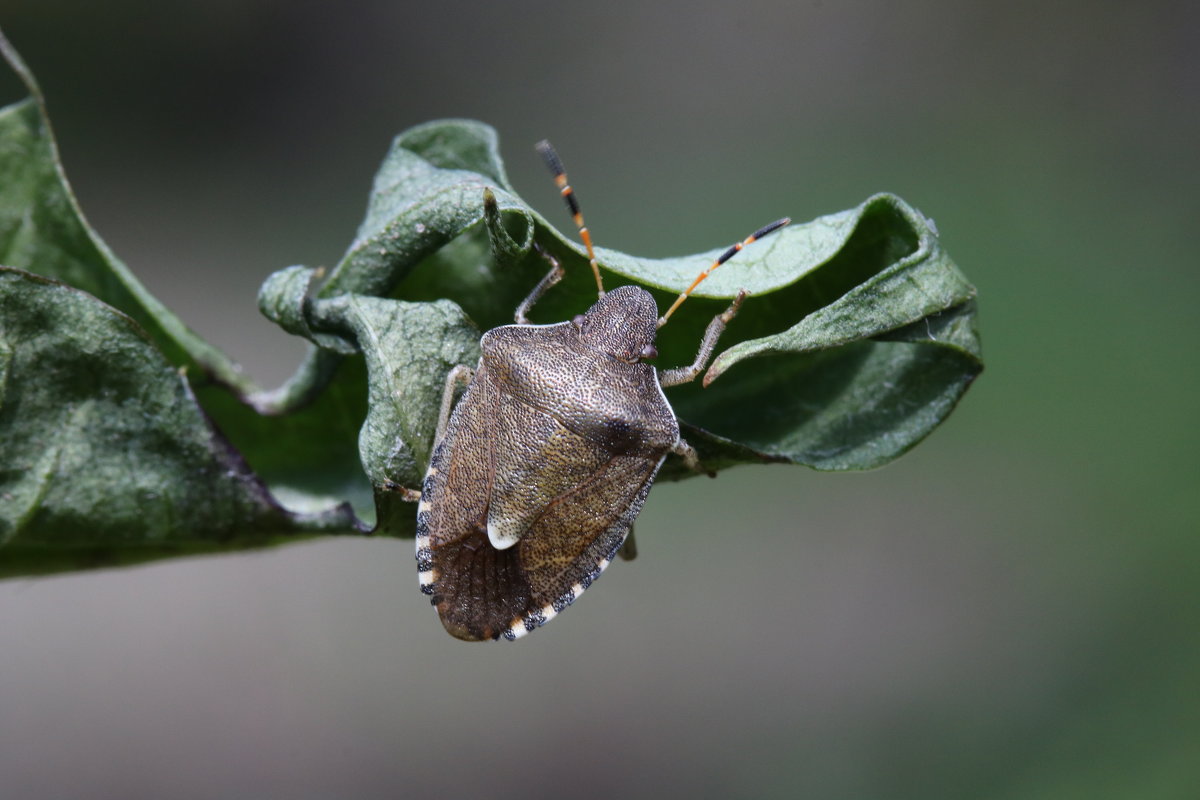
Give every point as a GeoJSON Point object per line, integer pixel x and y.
{"type": "Point", "coordinates": [576, 537]}
{"type": "Point", "coordinates": [473, 585]}
{"type": "Point", "coordinates": [484, 592]}
{"type": "Point", "coordinates": [537, 460]}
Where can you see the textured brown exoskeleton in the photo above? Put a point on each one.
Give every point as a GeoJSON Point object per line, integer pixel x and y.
{"type": "Point", "coordinates": [538, 474]}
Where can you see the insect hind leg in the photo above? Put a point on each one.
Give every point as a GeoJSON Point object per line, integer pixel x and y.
{"type": "Point", "coordinates": [628, 550]}
{"type": "Point", "coordinates": [406, 494]}
{"type": "Point", "coordinates": [691, 459]}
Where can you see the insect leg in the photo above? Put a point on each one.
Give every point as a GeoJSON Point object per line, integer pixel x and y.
{"type": "Point", "coordinates": [628, 551]}
{"type": "Point", "coordinates": [674, 377]}
{"type": "Point", "coordinates": [406, 494]}
{"type": "Point", "coordinates": [552, 277]}
{"type": "Point", "coordinates": [458, 377]}
{"type": "Point", "coordinates": [691, 458]}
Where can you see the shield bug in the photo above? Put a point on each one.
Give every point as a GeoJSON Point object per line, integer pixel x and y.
{"type": "Point", "coordinates": [540, 468]}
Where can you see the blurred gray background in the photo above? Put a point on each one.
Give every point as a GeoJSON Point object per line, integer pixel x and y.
{"type": "Point", "coordinates": [1010, 611]}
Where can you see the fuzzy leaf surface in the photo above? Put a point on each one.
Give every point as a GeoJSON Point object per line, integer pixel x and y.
{"type": "Point", "coordinates": [309, 457]}
{"type": "Point", "coordinates": [107, 456]}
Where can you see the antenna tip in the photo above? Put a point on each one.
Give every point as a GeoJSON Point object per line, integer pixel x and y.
{"type": "Point", "coordinates": [548, 154]}
{"type": "Point", "coordinates": [774, 226]}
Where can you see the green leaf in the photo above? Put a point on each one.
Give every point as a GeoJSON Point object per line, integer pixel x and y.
{"type": "Point", "coordinates": [43, 230]}
{"type": "Point", "coordinates": [429, 190]}
{"type": "Point", "coordinates": [309, 457]}
{"type": "Point", "coordinates": [409, 349]}
{"type": "Point", "coordinates": [857, 339]}
{"type": "Point", "coordinates": [107, 456]}
{"type": "Point", "coordinates": [860, 380]}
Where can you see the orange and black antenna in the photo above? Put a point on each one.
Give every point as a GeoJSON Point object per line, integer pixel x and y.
{"type": "Point", "coordinates": [728, 254]}
{"type": "Point", "coordinates": [560, 179]}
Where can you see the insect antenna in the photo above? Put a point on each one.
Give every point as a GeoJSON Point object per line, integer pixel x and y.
{"type": "Point", "coordinates": [728, 254]}
{"type": "Point", "coordinates": [546, 150]}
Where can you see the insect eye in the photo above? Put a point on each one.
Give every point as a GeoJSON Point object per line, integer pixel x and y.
{"type": "Point", "coordinates": [649, 351]}
{"type": "Point", "coordinates": [577, 320]}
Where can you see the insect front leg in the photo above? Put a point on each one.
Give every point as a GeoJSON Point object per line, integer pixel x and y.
{"type": "Point", "coordinates": [552, 277]}
{"type": "Point", "coordinates": [674, 377]}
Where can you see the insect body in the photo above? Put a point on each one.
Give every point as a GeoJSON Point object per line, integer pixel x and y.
{"type": "Point", "coordinates": [538, 473]}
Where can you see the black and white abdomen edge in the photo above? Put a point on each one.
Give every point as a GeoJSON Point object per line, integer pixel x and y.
{"type": "Point", "coordinates": [424, 507]}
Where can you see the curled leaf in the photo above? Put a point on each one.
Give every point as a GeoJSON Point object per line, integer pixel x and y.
{"type": "Point", "coordinates": [408, 349]}
{"type": "Point", "coordinates": [857, 339]}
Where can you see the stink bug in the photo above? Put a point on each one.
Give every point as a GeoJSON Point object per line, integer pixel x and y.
{"type": "Point", "coordinates": [540, 469]}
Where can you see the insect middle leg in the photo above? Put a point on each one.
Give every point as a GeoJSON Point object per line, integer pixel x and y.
{"type": "Point", "coordinates": [678, 375]}
{"type": "Point", "coordinates": [457, 378]}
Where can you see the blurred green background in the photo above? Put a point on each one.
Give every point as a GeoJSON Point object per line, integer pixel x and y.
{"type": "Point", "coordinates": [1009, 611]}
